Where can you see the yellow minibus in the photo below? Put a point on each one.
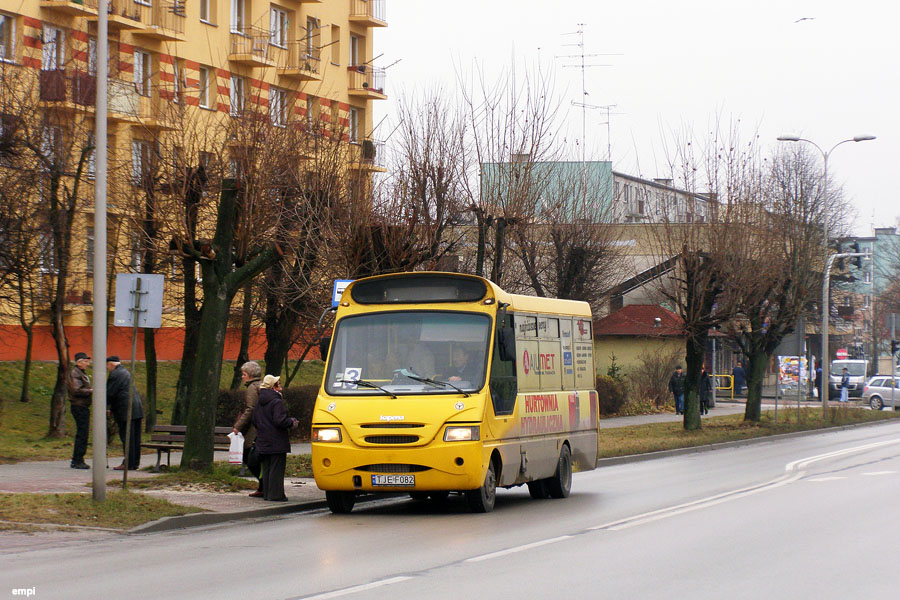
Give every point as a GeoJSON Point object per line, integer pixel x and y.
{"type": "Point", "coordinates": [440, 382]}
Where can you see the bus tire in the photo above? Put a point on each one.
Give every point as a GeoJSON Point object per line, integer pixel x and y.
{"type": "Point", "coordinates": [482, 500]}
{"type": "Point", "coordinates": [340, 503]}
{"type": "Point", "coordinates": [538, 489]}
{"type": "Point", "coordinates": [560, 484]}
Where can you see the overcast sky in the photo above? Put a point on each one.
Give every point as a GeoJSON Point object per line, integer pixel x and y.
{"type": "Point", "coordinates": [677, 65]}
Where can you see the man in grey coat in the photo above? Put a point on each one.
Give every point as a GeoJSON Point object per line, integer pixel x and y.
{"type": "Point", "coordinates": [118, 386]}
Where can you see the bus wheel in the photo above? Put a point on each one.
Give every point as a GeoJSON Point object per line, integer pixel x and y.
{"type": "Point", "coordinates": [482, 499]}
{"type": "Point", "coordinates": [340, 503]}
{"type": "Point", "coordinates": [560, 484]}
{"type": "Point", "coordinates": [538, 489]}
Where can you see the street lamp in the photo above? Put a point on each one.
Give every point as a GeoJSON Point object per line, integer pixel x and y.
{"type": "Point", "coordinates": [826, 384]}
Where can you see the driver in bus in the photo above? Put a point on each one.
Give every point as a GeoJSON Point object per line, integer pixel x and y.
{"type": "Point", "coordinates": [463, 367]}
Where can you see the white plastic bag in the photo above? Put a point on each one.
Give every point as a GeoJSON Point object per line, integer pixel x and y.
{"type": "Point", "coordinates": [236, 450]}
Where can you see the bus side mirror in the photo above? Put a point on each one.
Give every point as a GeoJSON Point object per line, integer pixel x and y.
{"type": "Point", "coordinates": [323, 347]}
{"type": "Point", "coordinates": [507, 343]}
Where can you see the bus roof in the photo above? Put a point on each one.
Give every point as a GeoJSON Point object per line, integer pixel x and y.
{"type": "Point", "coordinates": [517, 302]}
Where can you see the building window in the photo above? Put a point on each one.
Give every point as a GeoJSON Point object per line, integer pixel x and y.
{"type": "Point", "coordinates": [204, 11]}
{"type": "Point", "coordinates": [90, 250]}
{"type": "Point", "coordinates": [354, 125]}
{"type": "Point", "coordinates": [277, 107]}
{"type": "Point", "coordinates": [867, 301]}
{"type": "Point", "coordinates": [47, 249]}
{"type": "Point", "coordinates": [178, 68]}
{"type": "Point", "coordinates": [312, 25]}
{"type": "Point", "coordinates": [142, 72]}
{"type": "Point", "coordinates": [278, 27]}
{"type": "Point", "coordinates": [238, 90]}
{"type": "Point", "coordinates": [7, 37]}
{"type": "Point", "coordinates": [205, 80]}
{"type": "Point", "coordinates": [868, 276]}
{"type": "Point", "coordinates": [141, 160]}
{"type": "Point", "coordinates": [238, 12]}
{"type": "Point", "coordinates": [354, 50]}
{"type": "Point", "coordinates": [53, 52]}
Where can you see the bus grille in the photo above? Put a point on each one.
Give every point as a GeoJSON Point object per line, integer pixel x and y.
{"type": "Point", "coordinates": [393, 468]}
{"type": "Point", "coordinates": [392, 439]}
{"type": "Point", "coordinates": [391, 425]}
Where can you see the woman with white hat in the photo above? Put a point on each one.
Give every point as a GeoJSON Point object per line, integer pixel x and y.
{"type": "Point", "coordinates": [272, 441]}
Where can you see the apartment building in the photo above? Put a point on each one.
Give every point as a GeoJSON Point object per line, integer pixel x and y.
{"type": "Point", "coordinates": [301, 63]}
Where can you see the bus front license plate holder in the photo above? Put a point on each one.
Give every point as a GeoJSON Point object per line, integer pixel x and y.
{"type": "Point", "coordinates": [394, 480]}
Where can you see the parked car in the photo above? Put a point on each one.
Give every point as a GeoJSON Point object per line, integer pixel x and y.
{"type": "Point", "coordinates": [877, 392]}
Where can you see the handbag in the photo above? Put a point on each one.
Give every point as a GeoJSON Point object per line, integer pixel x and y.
{"type": "Point", "coordinates": [251, 458]}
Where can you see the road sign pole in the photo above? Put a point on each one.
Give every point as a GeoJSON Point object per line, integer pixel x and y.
{"type": "Point", "coordinates": [131, 389]}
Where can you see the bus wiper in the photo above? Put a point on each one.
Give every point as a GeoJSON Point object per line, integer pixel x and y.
{"type": "Point", "coordinates": [432, 381]}
{"type": "Point", "coordinates": [368, 384]}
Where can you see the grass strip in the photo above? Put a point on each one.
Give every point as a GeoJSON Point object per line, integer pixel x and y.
{"type": "Point", "coordinates": [121, 510]}
{"type": "Point", "coordinates": [221, 478]}
{"type": "Point", "coordinates": [653, 437]}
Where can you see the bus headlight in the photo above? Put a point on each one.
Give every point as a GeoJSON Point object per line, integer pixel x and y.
{"type": "Point", "coordinates": [326, 434]}
{"type": "Point", "coordinates": [462, 434]}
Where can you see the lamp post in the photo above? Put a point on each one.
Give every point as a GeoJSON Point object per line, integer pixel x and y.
{"type": "Point", "coordinates": [826, 383]}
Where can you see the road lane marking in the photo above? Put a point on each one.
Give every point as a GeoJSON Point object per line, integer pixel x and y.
{"type": "Point", "coordinates": [794, 470]}
{"type": "Point", "coordinates": [356, 588]}
{"type": "Point", "coordinates": [819, 479]}
{"type": "Point", "coordinates": [874, 473]}
{"type": "Point", "coordinates": [515, 549]}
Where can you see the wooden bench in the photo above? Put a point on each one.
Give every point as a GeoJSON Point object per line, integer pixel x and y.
{"type": "Point", "coordinates": [166, 438]}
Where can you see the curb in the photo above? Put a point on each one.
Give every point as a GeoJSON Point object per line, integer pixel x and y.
{"type": "Point", "coordinates": [622, 460]}
{"type": "Point", "coordinates": [215, 518]}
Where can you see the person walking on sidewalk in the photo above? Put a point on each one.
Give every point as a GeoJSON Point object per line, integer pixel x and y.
{"type": "Point", "coordinates": [250, 373]}
{"type": "Point", "coordinates": [272, 441]}
{"type": "Point", "coordinates": [119, 386]}
{"type": "Point", "coordinates": [705, 391]}
{"type": "Point", "coordinates": [80, 391]}
{"type": "Point", "coordinates": [676, 386]}
{"type": "Point", "coordinates": [845, 385]}
{"type": "Point", "coordinates": [740, 378]}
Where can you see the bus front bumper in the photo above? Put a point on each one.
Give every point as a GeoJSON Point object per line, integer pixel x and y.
{"type": "Point", "coordinates": [447, 466]}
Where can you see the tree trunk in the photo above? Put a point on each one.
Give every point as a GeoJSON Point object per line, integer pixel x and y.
{"type": "Point", "coordinates": [150, 399]}
{"type": "Point", "coordinates": [26, 368]}
{"type": "Point", "coordinates": [280, 326]}
{"type": "Point", "coordinates": [480, 245]}
{"type": "Point", "coordinates": [695, 349]}
{"type": "Point", "coordinates": [757, 361]}
{"type": "Point", "coordinates": [244, 351]}
{"type": "Point", "coordinates": [500, 241]}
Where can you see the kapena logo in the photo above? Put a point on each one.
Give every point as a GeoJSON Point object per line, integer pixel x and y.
{"type": "Point", "coordinates": [392, 417]}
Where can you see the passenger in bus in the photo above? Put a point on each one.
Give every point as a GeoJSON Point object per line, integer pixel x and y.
{"type": "Point", "coordinates": [463, 368]}
{"type": "Point", "coordinates": [420, 360]}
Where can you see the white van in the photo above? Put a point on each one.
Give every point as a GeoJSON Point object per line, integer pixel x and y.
{"type": "Point", "coordinates": [857, 370]}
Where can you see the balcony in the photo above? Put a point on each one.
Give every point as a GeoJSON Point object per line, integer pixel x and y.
{"type": "Point", "coordinates": [366, 82]}
{"type": "Point", "coordinates": [370, 13]}
{"type": "Point", "coordinates": [123, 15]}
{"type": "Point", "coordinates": [76, 8]}
{"type": "Point", "coordinates": [164, 20]}
{"type": "Point", "coordinates": [123, 101]}
{"type": "Point", "coordinates": [367, 155]}
{"type": "Point", "coordinates": [250, 46]}
{"type": "Point", "coordinates": [302, 62]}
{"type": "Point", "coordinates": [59, 90]}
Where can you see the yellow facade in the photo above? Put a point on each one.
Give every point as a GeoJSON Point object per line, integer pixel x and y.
{"type": "Point", "coordinates": [306, 63]}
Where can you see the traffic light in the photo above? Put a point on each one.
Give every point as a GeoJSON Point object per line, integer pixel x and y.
{"type": "Point", "coordinates": [895, 345]}
{"type": "Point", "coordinates": [857, 260]}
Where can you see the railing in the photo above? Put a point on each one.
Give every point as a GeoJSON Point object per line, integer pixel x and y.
{"type": "Point", "coordinates": [164, 14]}
{"type": "Point", "coordinates": [91, 4]}
{"type": "Point", "coordinates": [303, 57]}
{"type": "Point", "coordinates": [365, 77]}
{"type": "Point", "coordinates": [253, 41]}
{"type": "Point", "coordinates": [130, 10]}
{"type": "Point", "coordinates": [374, 9]}
{"type": "Point", "coordinates": [123, 98]}
{"type": "Point", "coordinates": [369, 152]}
{"type": "Point", "coordinates": [53, 85]}
{"type": "Point", "coordinates": [84, 88]}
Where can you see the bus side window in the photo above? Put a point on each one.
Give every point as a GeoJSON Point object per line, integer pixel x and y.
{"type": "Point", "coordinates": [503, 378]}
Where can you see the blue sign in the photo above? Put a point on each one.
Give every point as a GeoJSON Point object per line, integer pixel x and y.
{"type": "Point", "coordinates": [339, 286]}
{"type": "Point", "coordinates": [567, 359]}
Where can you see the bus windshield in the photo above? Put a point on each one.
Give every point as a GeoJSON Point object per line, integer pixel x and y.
{"type": "Point", "coordinates": [408, 352]}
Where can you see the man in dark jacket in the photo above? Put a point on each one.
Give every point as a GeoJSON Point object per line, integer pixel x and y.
{"type": "Point", "coordinates": [119, 388]}
{"type": "Point", "coordinates": [740, 378]}
{"type": "Point", "coordinates": [676, 386]}
{"type": "Point", "coordinates": [250, 373]}
{"type": "Point", "coordinates": [80, 391]}
{"type": "Point", "coordinates": [272, 441]}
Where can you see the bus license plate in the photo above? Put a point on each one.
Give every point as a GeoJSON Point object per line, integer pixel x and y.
{"type": "Point", "coordinates": [394, 480]}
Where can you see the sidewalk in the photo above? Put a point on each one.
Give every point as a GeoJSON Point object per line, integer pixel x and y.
{"type": "Point", "coordinates": [48, 477]}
